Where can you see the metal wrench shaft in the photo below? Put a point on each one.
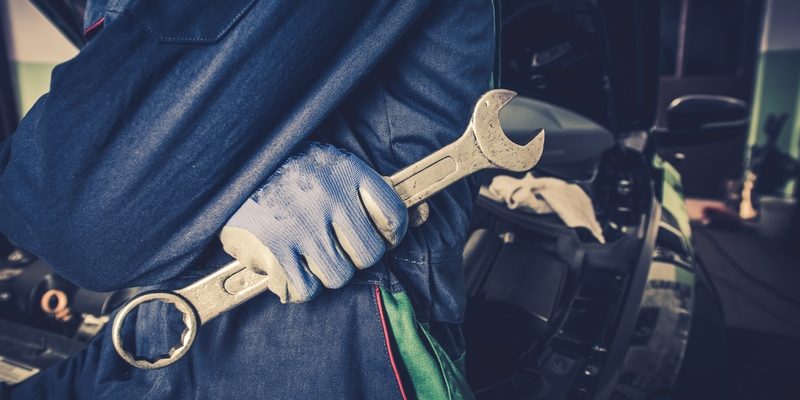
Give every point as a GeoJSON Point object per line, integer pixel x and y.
{"type": "Point", "coordinates": [435, 172]}
{"type": "Point", "coordinates": [234, 284]}
{"type": "Point", "coordinates": [483, 145]}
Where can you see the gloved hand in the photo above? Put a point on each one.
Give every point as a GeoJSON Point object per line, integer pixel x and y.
{"type": "Point", "coordinates": [319, 217]}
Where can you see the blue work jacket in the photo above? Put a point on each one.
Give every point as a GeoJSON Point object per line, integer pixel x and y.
{"type": "Point", "coordinates": [176, 111]}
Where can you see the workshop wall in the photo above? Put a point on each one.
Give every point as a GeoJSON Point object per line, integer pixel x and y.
{"type": "Point", "coordinates": [777, 94]}
{"type": "Point", "coordinates": [36, 47]}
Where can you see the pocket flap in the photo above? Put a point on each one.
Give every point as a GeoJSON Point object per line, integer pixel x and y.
{"type": "Point", "coordinates": [188, 21]}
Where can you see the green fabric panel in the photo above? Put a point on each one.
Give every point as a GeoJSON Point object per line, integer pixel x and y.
{"type": "Point", "coordinates": [777, 91]}
{"type": "Point", "coordinates": [433, 375]}
{"type": "Point", "coordinates": [457, 387]}
{"type": "Point", "coordinates": [673, 200]}
{"type": "Point", "coordinates": [461, 363]}
{"type": "Point", "coordinates": [684, 276]}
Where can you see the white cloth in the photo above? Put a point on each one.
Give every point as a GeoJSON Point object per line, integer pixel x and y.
{"type": "Point", "coordinates": [545, 196]}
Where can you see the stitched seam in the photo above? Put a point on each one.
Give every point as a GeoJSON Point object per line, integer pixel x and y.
{"type": "Point", "coordinates": [190, 39]}
{"type": "Point", "coordinates": [446, 260]}
{"type": "Point", "coordinates": [372, 282]}
{"type": "Point", "coordinates": [235, 19]}
{"type": "Point", "coordinates": [441, 363]}
{"type": "Point", "coordinates": [388, 124]}
{"type": "Point", "coordinates": [387, 344]}
{"type": "Point", "coordinates": [411, 261]}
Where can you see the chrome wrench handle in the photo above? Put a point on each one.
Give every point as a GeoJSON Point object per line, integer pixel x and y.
{"type": "Point", "coordinates": [200, 302]}
{"type": "Point", "coordinates": [482, 145]}
{"type": "Point", "coordinates": [437, 171]}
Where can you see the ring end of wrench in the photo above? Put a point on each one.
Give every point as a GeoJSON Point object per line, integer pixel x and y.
{"type": "Point", "coordinates": [190, 319]}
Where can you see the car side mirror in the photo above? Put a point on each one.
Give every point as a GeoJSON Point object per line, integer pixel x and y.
{"type": "Point", "coordinates": [696, 120]}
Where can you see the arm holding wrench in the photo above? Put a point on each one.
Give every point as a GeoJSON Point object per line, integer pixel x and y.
{"type": "Point", "coordinates": [483, 145]}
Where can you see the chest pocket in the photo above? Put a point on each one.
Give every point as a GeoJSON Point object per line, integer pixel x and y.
{"type": "Point", "coordinates": [190, 21]}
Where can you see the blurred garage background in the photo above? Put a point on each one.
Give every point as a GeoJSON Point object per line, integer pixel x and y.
{"type": "Point", "coordinates": [741, 192]}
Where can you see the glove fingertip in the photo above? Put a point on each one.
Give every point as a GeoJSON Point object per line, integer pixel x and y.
{"type": "Point", "coordinates": [386, 211]}
{"type": "Point", "coordinates": [305, 292]}
{"type": "Point", "coordinates": [419, 214]}
{"type": "Point", "coordinates": [332, 272]}
{"type": "Point", "coordinates": [303, 285]}
{"type": "Point", "coordinates": [363, 251]}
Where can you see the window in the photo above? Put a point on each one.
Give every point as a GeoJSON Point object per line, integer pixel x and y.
{"type": "Point", "coordinates": [706, 37]}
{"type": "Point", "coordinates": [670, 22]}
{"type": "Point", "coordinates": [36, 46]}
{"type": "Point", "coordinates": [715, 41]}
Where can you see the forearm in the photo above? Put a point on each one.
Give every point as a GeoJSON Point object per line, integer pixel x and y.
{"type": "Point", "coordinates": [143, 149]}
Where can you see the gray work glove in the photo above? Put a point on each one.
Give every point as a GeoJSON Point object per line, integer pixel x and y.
{"type": "Point", "coordinates": [321, 216]}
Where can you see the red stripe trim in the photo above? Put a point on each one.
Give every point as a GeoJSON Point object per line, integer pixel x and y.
{"type": "Point", "coordinates": [89, 31]}
{"type": "Point", "coordinates": [384, 325]}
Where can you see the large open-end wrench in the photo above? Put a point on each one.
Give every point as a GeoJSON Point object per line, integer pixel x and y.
{"type": "Point", "coordinates": [483, 145]}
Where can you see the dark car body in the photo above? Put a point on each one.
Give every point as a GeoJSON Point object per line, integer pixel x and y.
{"type": "Point", "coordinates": [553, 314]}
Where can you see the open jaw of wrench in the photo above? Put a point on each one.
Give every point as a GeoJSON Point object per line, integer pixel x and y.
{"type": "Point", "coordinates": [483, 145]}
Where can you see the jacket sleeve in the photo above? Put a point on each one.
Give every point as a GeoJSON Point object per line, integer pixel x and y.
{"type": "Point", "coordinates": [169, 118]}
